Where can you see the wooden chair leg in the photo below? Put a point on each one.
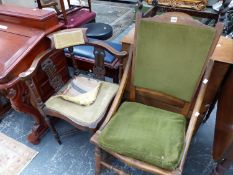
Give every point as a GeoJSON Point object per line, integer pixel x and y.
{"type": "Point", "coordinates": [97, 161]}
{"type": "Point", "coordinates": [53, 129]}
{"type": "Point", "coordinates": [115, 77]}
{"type": "Point", "coordinates": [99, 164]}
{"type": "Point", "coordinates": [110, 167]}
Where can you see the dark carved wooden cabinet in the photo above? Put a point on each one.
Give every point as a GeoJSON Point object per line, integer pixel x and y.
{"type": "Point", "coordinates": [22, 37]}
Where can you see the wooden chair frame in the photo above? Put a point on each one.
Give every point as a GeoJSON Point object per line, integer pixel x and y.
{"type": "Point", "coordinates": [71, 9]}
{"type": "Point", "coordinates": [50, 4]}
{"type": "Point", "coordinates": [63, 13]}
{"type": "Point", "coordinates": [136, 92]}
{"type": "Point", "coordinates": [27, 76]}
{"type": "Point", "coordinates": [112, 69]}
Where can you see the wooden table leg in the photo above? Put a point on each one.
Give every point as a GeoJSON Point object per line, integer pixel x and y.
{"type": "Point", "coordinates": [216, 79]}
{"type": "Point", "coordinates": [223, 137]}
{"type": "Point", "coordinates": [20, 101]}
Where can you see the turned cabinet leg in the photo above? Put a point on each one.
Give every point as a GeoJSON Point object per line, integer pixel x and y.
{"type": "Point", "coordinates": [97, 161]}
{"type": "Point", "coordinates": [20, 101]}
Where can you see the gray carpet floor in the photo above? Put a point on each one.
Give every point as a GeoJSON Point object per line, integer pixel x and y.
{"type": "Point", "coordinates": [119, 15]}
{"type": "Point", "coordinates": [76, 154]}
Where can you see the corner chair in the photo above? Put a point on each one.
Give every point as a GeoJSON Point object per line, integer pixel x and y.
{"type": "Point", "coordinates": [86, 118]}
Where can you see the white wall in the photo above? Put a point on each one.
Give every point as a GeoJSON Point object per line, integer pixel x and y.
{"type": "Point", "coordinates": [24, 3]}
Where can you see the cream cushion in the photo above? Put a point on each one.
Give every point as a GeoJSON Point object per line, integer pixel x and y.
{"type": "Point", "coordinates": [81, 90]}
{"type": "Point", "coordinates": [87, 116]}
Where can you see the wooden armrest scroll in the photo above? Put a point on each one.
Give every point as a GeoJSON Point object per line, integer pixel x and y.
{"type": "Point", "coordinates": [107, 47]}
{"type": "Point", "coordinates": [34, 66]}
{"type": "Point", "coordinates": [120, 92]}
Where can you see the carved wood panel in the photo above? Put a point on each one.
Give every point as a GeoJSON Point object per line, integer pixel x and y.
{"type": "Point", "coordinates": [52, 68]}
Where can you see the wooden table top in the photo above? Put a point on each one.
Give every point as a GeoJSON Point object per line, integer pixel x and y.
{"type": "Point", "coordinates": [29, 13]}
{"type": "Point", "coordinates": [223, 52]}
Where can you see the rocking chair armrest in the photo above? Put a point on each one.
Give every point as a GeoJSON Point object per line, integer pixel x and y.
{"type": "Point", "coordinates": [196, 110]}
{"type": "Point", "coordinates": [110, 49]}
{"type": "Point", "coordinates": [34, 66]}
{"type": "Point", "coordinates": [120, 92]}
{"type": "Point", "coordinates": [201, 95]}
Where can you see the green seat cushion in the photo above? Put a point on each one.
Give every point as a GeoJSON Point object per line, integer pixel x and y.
{"type": "Point", "coordinates": [149, 134]}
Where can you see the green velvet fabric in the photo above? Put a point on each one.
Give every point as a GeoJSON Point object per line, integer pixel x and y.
{"type": "Point", "coordinates": [170, 57]}
{"type": "Point", "coordinates": [146, 133]}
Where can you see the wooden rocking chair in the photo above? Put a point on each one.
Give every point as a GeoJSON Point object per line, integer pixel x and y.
{"type": "Point", "coordinates": [171, 65]}
{"type": "Point", "coordinates": [87, 117]}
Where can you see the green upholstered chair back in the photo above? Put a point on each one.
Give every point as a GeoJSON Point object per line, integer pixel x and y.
{"type": "Point", "coordinates": [170, 56]}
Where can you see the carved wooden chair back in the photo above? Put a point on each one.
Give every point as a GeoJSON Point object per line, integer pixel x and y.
{"type": "Point", "coordinates": [100, 49]}
{"type": "Point", "coordinates": [56, 77]}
